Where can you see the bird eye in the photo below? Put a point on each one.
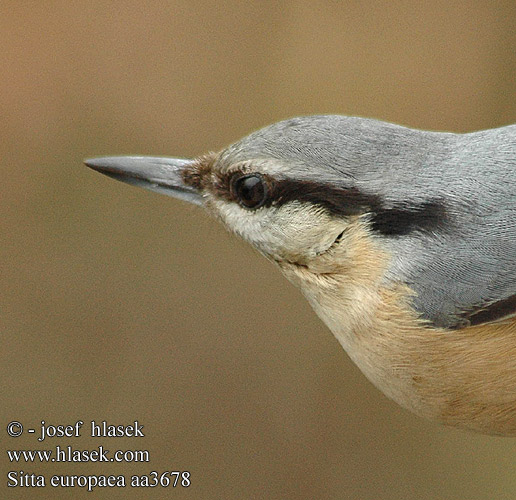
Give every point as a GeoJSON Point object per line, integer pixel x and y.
{"type": "Point", "coordinates": [250, 190]}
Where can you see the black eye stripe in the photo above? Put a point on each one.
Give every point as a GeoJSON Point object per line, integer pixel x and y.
{"type": "Point", "coordinates": [427, 216]}
{"type": "Point", "coordinates": [399, 220]}
{"type": "Point", "coordinates": [392, 221]}
{"type": "Point", "coordinates": [339, 201]}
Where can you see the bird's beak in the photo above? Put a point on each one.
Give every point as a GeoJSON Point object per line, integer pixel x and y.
{"type": "Point", "coordinates": [163, 175]}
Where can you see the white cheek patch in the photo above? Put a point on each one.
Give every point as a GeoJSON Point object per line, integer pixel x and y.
{"type": "Point", "coordinates": [295, 231]}
{"type": "Point", "coordinates": [252, 226]}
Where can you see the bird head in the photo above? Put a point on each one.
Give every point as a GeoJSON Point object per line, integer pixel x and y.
{"type": "Point", "coordinates": [302, 191]}
{"type": "Point", "coordinates": [329, 199]}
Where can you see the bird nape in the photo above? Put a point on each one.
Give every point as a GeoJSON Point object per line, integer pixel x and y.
{"type": "Point", "coordinates": [403, 241]}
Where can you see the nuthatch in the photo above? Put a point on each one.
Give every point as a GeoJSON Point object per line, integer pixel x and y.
{"type": "Point", "coordinates": [403, 241]}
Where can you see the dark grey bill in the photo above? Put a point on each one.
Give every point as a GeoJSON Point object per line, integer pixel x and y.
{"type": "Point", "coordinates": [163, 175]}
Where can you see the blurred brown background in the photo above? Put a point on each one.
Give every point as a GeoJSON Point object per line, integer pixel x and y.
{"type": "Point", "coordinates": [118, 304]}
